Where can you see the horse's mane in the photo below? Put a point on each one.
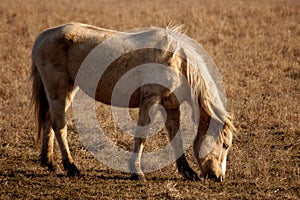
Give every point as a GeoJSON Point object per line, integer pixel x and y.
{"type": "Point", "coordinates": [201, 75]}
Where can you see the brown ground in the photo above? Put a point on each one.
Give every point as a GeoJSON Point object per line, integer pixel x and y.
{"type": "Point", "coordinates": [255, 44]}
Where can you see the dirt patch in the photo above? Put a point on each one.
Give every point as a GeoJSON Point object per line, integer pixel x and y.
{"type": "Point", "coordinates": [255, 44]}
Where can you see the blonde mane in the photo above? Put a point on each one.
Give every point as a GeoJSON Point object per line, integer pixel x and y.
{"type": "Point", "coordinates": [200, 76]}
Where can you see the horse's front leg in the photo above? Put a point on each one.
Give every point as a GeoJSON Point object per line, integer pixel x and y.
{"type": "Point", "coordinates": [172, 125]}
{"type": "Point", "coordinates": [140, 138]}
{"type": "Point", "coordinates": [135, 159]}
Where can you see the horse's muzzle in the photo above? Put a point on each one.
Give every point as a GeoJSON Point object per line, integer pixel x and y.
{"type": "Point", "coordinates": [216, 178]}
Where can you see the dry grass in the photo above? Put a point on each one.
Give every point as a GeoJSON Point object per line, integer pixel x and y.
{"type": "Point", "coordinates": [254, 43]}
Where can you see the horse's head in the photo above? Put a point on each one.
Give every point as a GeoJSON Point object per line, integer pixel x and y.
{"type": "Point", "coordinates": [211, 148]}
{"type": "Point", "coordinates": [213, 164]}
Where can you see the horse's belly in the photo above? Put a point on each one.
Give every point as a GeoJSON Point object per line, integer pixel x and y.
{"type": "Point", "coordinates": [106, 94]}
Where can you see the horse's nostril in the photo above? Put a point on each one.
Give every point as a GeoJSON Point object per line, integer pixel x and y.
{"type": "Point", "coordinates": [215, 178]}
{"type": "Point", "coordinates": [222, 178]}
{"type": "Point", "coordinates": [219, 179]}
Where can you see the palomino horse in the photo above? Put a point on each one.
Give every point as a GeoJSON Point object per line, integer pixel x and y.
{"type": "Point", "coordinates": [56, 58]}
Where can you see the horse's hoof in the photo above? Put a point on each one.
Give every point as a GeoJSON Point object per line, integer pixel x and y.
{"type": "Point", "coordinates": [72, 171]}
{"type": "Point", "coordinates": [190, 175]}
{"type": "Point", "coordinates": [138, 177]}
{"type": "Point", "coordinates": [49, 165]}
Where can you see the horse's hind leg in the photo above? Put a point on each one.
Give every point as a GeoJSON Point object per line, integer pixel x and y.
{"type": "Point", "coordinates": [172, 125]}
{"type": "Point", "coordinates": [138, 143]}
{"type": "Point", "coordinates": [47, 145]}
{"type": "Point", "coordinates": [57, 87]}
{"type": "Point", "coordinates": [48, 136]}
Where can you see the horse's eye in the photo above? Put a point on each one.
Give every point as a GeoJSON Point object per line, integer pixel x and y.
{"type": "Point", "coordinates": [225, 146]}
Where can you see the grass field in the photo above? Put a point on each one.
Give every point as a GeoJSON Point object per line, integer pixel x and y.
{"type": "Point", "coordinates": [256, 46]}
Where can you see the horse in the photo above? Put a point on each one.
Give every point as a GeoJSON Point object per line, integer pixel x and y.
{"type": "Point", "coordinates": [57, 55]}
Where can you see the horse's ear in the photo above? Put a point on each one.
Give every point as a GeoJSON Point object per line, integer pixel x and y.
{"type": "Point", "coordinates": [227, 135]}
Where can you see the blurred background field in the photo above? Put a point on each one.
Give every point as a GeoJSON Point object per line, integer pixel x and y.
{"type": "Point", "coordinates": [256, 46]}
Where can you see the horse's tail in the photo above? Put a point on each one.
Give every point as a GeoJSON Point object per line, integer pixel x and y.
{"type": "Point", "coordinates": [201, 75]}
{"type": "Point", "coordinates": [38, 99]}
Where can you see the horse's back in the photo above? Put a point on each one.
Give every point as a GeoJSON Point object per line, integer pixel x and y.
{"type": "Point", "coordinates": [63, 49]}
